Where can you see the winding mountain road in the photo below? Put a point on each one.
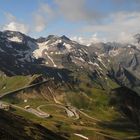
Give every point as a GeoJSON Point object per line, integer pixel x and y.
{"type": "Point", "coordinates": [70, 112]}
{"type": "Point", "coordinates": [30, 110]}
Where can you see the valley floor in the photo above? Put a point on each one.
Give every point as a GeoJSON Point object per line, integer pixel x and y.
{"type": "Point", "coordinates": [87, 117]}
{"type": "Point", "coordinates": [86, 125]}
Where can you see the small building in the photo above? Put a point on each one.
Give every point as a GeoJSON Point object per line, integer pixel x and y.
{"type": "Point", "coordinates": [5, 107]}
{"type": "Point", "coordinates": [27, 107]}
{"type": "Point", "coordinates": [25, 101]}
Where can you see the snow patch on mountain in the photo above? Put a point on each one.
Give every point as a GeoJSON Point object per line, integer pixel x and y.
{"type": "Point", "coordinates": [80, 59]}
{"type": "Point", "coordinates": [15, 39]}
{"type": "Point", "coordinates": [41, 46]}
{"type": "Point", "coordinates": [54, 65]}
{"type": "Point", "coordinates": [59, 75]}
{"type": "Point", "coordinates": [113, 52]}
{"type": "Point", "coordinates": [68, 46]}
{"type": "Point", "coordinates": [56, 42]}
{"type": "Point", "coordinates": [95, 64]}
{"type": "Point", "coordinates": [101, 61]}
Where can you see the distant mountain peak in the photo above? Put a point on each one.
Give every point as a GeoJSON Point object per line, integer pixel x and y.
{"type": "Point", "coordinates": [52, 36]}
{"type": "Point", "coordinates": [65, 38]}
{"type": "Point", "coordinates": [16, 36]}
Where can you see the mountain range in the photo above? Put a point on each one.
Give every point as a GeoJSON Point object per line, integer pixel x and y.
{"type": "Point", "coordinates": [117, 61]}
{"type": "Point", "coordinates": [86, 90]}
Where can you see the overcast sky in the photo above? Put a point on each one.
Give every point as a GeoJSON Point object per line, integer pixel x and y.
{"type": "Point", "coordinates": [82, 20]}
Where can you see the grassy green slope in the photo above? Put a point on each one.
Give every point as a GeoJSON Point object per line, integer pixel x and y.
{"type": "Point", "coordinates": [88, 96]}
{"type": "Point", "coordinates": [12, 83]}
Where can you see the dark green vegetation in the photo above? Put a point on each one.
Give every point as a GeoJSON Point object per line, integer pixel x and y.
{"type": "Point", "coordinates": [8, 84]}
{"type": "Point", "coordinates": [128, 102]}
{"type": "Point", "coordinates": [14, 127]}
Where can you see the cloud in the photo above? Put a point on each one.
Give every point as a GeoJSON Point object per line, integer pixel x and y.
{"type": "Point", "coordinates": [112, 23]}
{"type": "Point", "coordinates": [87, 41]}
{"type": "Point", "coordinates": [76, 10]}
{"type": "Point", "coordinates": [9, 17]}
{"type": "Point", "coordinates": [42, 16]}
{"type": "Point", "coordinates": [40, 23]}
{"type": "Point", "coordinates": [120, 26]}
{"type": "Point", "coordinates": [14, 25]}
{"type": "Point", "coordinates": [40, 19]}
{"type": "Point", "coordinates": [125, 37]}
{"type": "Point", "coordinates": [72, 10]}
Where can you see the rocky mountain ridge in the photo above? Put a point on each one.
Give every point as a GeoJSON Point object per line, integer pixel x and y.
{"type": "Point", "coordinates": [118, 61]}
